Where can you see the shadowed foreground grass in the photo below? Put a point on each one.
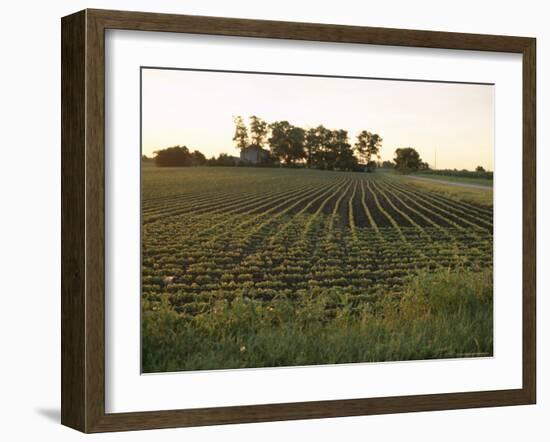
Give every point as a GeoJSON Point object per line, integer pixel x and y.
{"type": "Point", "coordinates": [442, 314]}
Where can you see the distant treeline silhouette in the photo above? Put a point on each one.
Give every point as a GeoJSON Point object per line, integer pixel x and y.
{"type": "Point", "coordinates": [282, 144]}
{"type": "Point", "coordinates": [178, 156]}
{"type": "Point", "coordinates": [480, 172]}
{"type": "Point", "coordinates": [318, 147]}
{"type": "Point", "coordinates": [406, 160]}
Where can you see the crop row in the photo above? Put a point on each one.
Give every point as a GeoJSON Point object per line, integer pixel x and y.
{"type": "Point", "coordinates": [273, 236]}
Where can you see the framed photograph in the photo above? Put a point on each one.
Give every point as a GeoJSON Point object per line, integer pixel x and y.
{"type": "Point", "coordinates": [269, 220]}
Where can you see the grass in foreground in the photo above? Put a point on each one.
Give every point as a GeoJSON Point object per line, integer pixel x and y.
{"type": "Point", "coordinates": [443, 314]}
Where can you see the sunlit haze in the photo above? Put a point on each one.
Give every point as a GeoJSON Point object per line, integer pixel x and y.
{"type": "Point", "coordinates": [451, 122]}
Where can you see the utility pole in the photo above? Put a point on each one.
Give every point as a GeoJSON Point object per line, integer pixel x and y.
{"type": "Point", "coordinates": [435, 158]}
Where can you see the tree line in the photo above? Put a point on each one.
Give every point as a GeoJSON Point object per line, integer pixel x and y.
{"type": "Point", "coordinates": [293, 146]}
{"type": "Point", "coordinates": [317, 147]}
{"type": "Point", "coordinates": [178, 156]}
{"type": "Point", "coordinates": [479, 172]}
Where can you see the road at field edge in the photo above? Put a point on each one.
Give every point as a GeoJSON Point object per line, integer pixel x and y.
{"type": "Point", "coordinates": [452, 183]}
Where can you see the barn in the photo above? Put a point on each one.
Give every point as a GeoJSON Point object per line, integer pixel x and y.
{"type": "Point", "coordinates": [254, 155]}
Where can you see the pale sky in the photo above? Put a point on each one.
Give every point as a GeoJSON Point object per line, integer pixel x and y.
{"type": "Point", "coordinates": [196, 109]}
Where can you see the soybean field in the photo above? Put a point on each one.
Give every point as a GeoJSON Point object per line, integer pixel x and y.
{"type": "Point", "coordinates": [215, 238]}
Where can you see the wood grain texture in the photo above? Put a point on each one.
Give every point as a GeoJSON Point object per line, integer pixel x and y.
{"type": "Point", "coordinates": [83, 220]}
{"type": "Point", "coordinates": [529, 220]}
{"type": "Point", "coordinates": [145, 21]}
{"type": "Point", "coordinates": [73, 129]}
{"type": "Point", "coordinates": [95, 221]}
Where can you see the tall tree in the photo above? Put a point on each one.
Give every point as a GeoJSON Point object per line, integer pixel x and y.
{"type": "Point", "coordinates": [297, 137]}
{"type": "Point", "coordinates": [343, 153]}
{"type": "Point", "coordinates": [407, 160]}
{"type": "Point", "coordinates": [241, 133]}
{"type": "Point", "coordinates": [314, 144]}
{"type": "Point", "coordinates": [287, 141]}
{"type": "Point", "coordinates": [278, 142]}
{"type": "Point", "coordinates": [368, 145]}
{"type": "Point", "coordinates": [258, 131]}
{"type": "Point", "coordinates": [323, 155]}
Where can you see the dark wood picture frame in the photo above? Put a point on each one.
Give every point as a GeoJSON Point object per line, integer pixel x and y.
{"type": "Point", "coordinates": [83, 216]}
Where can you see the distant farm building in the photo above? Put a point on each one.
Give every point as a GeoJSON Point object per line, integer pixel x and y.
{"type": "Point", "coordinates": [255, 155]}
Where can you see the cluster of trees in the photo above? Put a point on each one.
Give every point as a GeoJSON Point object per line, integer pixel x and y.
{"type": "Point", "coordinates": [325, 150]}
{"type": "Point", "coordinates": [408, 160]}
{"type": "Point", "coordinates": [179, 156]}
{"type": "Point", "coordinates": [317, 147]}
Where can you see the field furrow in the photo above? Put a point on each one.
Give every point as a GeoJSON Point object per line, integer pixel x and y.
{"type": "Point", "coordinates": [266, 234]}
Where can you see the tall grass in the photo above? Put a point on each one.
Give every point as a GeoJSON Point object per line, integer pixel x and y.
{"type": "Point", "coordinates": [443, 314]}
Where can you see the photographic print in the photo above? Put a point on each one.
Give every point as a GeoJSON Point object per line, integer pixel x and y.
{"type": "Point", "coordinates": [295, 220]}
